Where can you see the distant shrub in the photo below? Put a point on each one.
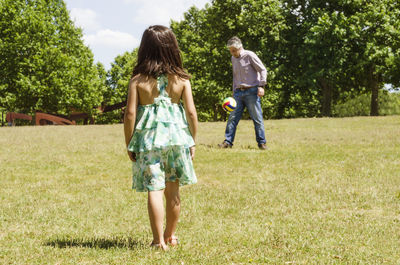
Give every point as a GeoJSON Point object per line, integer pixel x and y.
{"type": "Point", "coordinates": [389, 104]}
{"type": "Point", "coordinates": [112, 117]}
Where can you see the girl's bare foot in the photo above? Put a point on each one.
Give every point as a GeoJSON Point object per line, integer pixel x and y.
{"type": "Point", "coordinates": [172, 240]}
{"type": "Point", "coordinates": [161, 246]}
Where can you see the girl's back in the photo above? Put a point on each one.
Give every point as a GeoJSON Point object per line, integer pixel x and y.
{"type": "Point", "coordinates": [161, 121]}
{"type": "Point", "coordinates": [147, 88]}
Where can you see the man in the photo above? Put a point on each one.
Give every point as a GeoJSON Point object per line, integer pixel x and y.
{"type": "Point", "coordinates": [249, 79]}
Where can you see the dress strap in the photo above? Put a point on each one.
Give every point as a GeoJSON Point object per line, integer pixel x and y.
{"type": "Point", "coordinates": [162, 82]}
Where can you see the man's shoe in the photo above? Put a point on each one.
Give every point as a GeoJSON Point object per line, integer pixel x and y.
{"type": "Point", "coordinates": [225, 145]}
{"type": "Point", "coordinates": [262, 146]}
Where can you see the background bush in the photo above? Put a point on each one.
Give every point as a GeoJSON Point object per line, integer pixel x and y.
{"type": "Point", "coordinates": [389, 104]}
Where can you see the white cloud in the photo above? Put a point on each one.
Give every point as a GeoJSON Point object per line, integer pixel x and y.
{"type": "Point", "coordinates": [110, 28]}
{"type": "Point", "coordinates": [85, 18]}
{"type": "Point", "coordinates": [162, 11]}
{"type": "Point", "coordinates": [110, 38]}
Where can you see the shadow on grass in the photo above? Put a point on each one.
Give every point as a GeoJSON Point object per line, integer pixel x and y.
{"type": "Point", "coordinates": [236, 147]}
{"type": "Point", "coordinates": [103, 243]}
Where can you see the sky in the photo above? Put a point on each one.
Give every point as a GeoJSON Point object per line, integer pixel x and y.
{"type": "Point", "coordinates": [111, 28]}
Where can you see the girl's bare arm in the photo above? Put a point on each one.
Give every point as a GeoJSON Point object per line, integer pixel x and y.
{"type": "Point", "coordinates": [130, 111]}
{"type": "Point", "coordinates": [190, 109]}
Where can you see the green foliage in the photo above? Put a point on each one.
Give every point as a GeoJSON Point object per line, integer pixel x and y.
{"type": "Point", "coordinates": [117, 81]}
{"type": "Point", "coordinates": [3, 113]}
{"type": "Point", "coordinates": [45, 65]}
{"type": "Point", "coordinates": [358, 106]}
{"type": "Point", "coordinates": [202, 37]}
{"type": "Point", "coordinates": [389, 104]}
{"type": "Point", "coordinates": [118, 77]}
{"type": "Point", "coordinates": [110, 117]}
{"type": "Point", "coordinates": [317, 53]}
{"type": "Point", "coordinates": [335, 51]}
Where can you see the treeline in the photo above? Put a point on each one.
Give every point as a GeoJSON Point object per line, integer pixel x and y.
{"type": "Point", "coordinates": [322, 57]}
{"type": "Point", "coordinates": [319, 54]}
{"type": "Point", "coordinates": [45, 66]}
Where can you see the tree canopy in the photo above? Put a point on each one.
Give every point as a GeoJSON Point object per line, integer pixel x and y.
{"type": "Point", "coordinates": [44, 62]}
{"type": "Point", "coordinates": [319, 54]}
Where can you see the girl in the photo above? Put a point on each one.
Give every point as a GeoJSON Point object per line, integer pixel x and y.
{"type": "Point", "coordinates": [159, 138]}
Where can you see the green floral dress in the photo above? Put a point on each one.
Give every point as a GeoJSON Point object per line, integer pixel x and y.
{"type": "Point", "coordinates": [161, 142]}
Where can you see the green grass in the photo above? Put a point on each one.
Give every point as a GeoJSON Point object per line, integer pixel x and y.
{"type": "Point", "coordinates": [327, 191]}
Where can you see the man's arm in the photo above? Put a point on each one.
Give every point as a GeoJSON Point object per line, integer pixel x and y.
{"type": "Point", "coordinates": [233, 78]}
{"type": "Point", "coordinates": [259, 67]}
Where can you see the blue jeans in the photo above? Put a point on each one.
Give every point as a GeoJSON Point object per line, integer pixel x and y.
{"type": "Point", "coordinates": [246, 98]}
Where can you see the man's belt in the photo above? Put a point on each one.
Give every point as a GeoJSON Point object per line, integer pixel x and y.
{"type": "Point", "coordinates": [244, 87]}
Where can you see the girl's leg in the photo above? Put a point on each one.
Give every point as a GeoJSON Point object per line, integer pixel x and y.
{"type": "Point", "coordinates": [156, 213]}
{"type": "Point", "coordinates": [173, 209]}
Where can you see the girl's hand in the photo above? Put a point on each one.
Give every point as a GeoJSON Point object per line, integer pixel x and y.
{"type": "Point", "coordinates": [132, 156]}
{"type": "Point", "coordinates": [192, 150]}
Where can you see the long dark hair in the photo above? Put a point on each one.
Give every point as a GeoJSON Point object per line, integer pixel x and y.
{"type": "Point", "coordinates": [159, 54]}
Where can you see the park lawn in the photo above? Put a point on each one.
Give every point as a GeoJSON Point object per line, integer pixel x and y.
{"type": "Point", "coordinates": [327, 191]}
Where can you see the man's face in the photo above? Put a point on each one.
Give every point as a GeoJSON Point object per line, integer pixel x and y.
{"type": "Point", "coordinates": [234, 51]}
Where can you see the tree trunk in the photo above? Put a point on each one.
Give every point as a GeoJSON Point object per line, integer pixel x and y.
{"type": "Point", "coordinates": [373, 84]}
{"type": "Point", "coordinates": [224, 116]}
{"type": "Point", "coordinates": [326, 108]}
{"type": "Point", "coordinates": [283, 104]}
{"type": "Point", "coordinates": [215, 112]}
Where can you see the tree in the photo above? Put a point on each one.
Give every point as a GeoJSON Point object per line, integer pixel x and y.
{"type": "Point", "coordinates": [117, 82]}
{"type": "Point", "coordinates": [318, 53]}
{"type": "Point", "coordinates": [118, 77]}
{"type": "Point", "coordinates": [345, 48]}
{"type": "Point", "coordinates": [298, 95]}
{"type": "Point", "coordinates": [44, 62]}
{"type": "Point", "coordinates": [194, 41]}
{"type": "Point", "coordinates": [375, 45]}
{"type": "Point", "coordinates": [202, 37]}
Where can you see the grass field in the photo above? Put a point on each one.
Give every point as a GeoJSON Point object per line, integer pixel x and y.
{"type": "Point", "coordinates": [327, 191]}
